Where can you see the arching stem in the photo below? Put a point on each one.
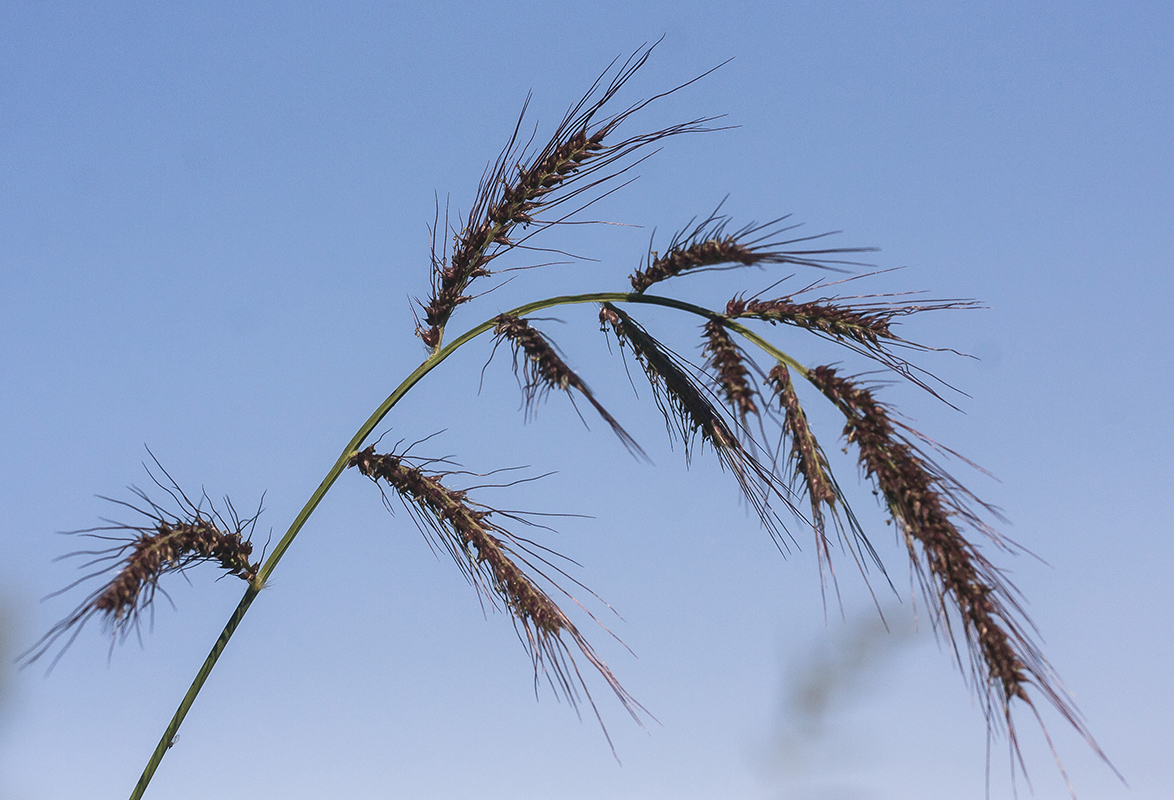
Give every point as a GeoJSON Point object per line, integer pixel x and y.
{"type": "Point", "coordinates": [434, 360]}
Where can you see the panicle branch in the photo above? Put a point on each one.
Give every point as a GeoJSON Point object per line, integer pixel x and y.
{"type": "Point", "coordinates": [520, 184]}
{"type": "Point", "coordinates": [495, 562]}
{"type": "Point", "coordinates": [866, 323]}
{"type": "Point", "coordinates": [927, 505]}
{"type": "Point", "coordinates": [865, 328]}
{"type": "Point", "coordinates": [142, 554]}
{"type": "Point", "coordinates": [689, 412]}
{"type": "Point", "coordinates": [811, 475]}
{"type": "Point", "coordinates": [542, 369]}
{"type": "Point", "coordinates": [707, 245]}
{"type": "Point", "coordinates": [806, 457]}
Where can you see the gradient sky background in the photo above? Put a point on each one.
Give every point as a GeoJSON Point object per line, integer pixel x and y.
{"type": "Point", "coordinates": [212, 219]}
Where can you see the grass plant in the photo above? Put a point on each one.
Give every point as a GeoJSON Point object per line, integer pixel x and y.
{"type": "Point", "coordinates": [742, 404]}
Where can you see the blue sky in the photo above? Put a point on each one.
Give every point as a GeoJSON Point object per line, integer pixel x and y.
{"type": "Point", "coordinates": [213, 218]}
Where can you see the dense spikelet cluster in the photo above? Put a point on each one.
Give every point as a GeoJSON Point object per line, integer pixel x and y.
{"type": "Point", "coordinates": [519, 185]}
{"type": "Point", "coordinates": [168, 543]}
{"type": "Point", "coordinates": [707, 245]}
{"type": "Point", "coordinates": [927, 504]}
{"type": "Point", "coordinates": [728, 363]}
{"type": "Point", "coordinates": [495, 562]}
{"type": "Point", "coordinates": [689, 411]}
{"type": "Point", "coordinates": [540, 369]}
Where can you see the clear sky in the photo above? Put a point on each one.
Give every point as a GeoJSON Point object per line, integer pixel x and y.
{"type": "Point", "coordinates": [213, 218]}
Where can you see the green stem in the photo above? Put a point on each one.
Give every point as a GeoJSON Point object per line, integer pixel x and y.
{"type": "Point", "coordinates": [201, 676]}
{"type": "Point", "coordinates": [434, 360]}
